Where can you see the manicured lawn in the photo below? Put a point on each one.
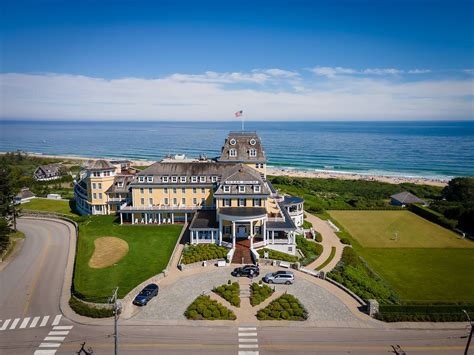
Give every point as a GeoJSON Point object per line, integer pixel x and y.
{"type": "Point", "coordinates": [150, 248]}
{"type": "Point", "coordinates": [42, 204]}
{"type": "Point", "coordinates": [376, 229]}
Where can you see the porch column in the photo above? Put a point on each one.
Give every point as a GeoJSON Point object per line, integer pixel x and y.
{"type": "Point", "coordinates": [220, 231]}
{"type": "Point", "coordinates": [133, 218]}
{"type": "Point", "coordinates": [159, 218]}
{"type": "Point", "coordinates": [172, 218]}
{"type": "Point", "coordinates": [185, 217]}
{"type": "Point", "coordinates": [121, 219]}
{"type": "Point", "coordinates": [273, 237]}
{"type": "Point", "coordinates": [233, 234]}
{"type": "Point", "coordinates": [263, 230]}
{"type": "Point", "coordinates": [146, 218]}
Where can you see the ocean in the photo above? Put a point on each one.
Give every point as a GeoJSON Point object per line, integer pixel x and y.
{"type": "Point", "coordinates": [418, 149]}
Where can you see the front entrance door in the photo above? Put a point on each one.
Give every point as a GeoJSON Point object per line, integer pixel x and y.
{"type": "Point", "coordinates": [241, 232]}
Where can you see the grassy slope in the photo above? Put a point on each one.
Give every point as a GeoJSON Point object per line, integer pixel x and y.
{"type": "Point", "coordinates": [58, 206]}
{"type": "Point", "coordinates": [418, 273]}
{"type": "Point", "coordinates": [150, 248]}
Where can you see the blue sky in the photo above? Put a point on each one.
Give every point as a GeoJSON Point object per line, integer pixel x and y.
{"type": "Point", "coordinates": [305, 58]}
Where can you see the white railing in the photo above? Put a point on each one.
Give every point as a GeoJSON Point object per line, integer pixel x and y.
{"type": "Point", "coordinates": [256, 256]}
{"type": "Point", "coordinates": [230, 255]}
{"type": "Point", "coordinates": [165, 208]}
{"type": "Point", "coordinates": [333, 226]}
{"type": "Point", "coordinates": [259, 244]}
{"type": "Point", "coordinates": [226, 244]}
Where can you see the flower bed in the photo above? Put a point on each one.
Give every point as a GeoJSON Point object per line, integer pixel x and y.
{"type": "Point", "coordinates": [230, 293]}
{"type": "Point", "coordinates": [277, 255]}
{"type": "Point", "coordinates": [204, 308]}
{"type": "Point", "coordinates": [201, 252]}
{"type": "Point", "coordinates": [259, 293]}
{"type": "Point", "coordinates": [286, 307]}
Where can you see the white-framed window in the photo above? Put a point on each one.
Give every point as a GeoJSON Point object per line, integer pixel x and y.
{"type": "Point", "coordinates": [194, 190]}
{"type": "Point", "coordinates": [226, 188]}
{"type": "Point", "coordinates": [150, 190]}
{"type": "Point", "coordinates": [183, 201]}
{"type": "Point", "coordinates": [120, 184]}
{"type": "Point", "coordinates": [214, 179]}
{"type": "Point", "coordinates": [253, 141]}
{"type": "Point", "coordinates": [174, 190]}
{"type": "Point", "coordinates": [94, 195]}
{"type": "Point", "coordinates": [241, 188]}
{"type": "Point", "coordinates": [99, 185]}
{"type": "Point", "coordinates": [242, 202]}
{"type": "Point", "coordinates": [203, 190]}
{"type": "Point", "coordinates": [182, 179]}
{"type": "Point", "coordinates": [202, 179]}
{"type": "Point", "coordinates": [142, 190]}
{"type": "Point", "coordinates": [94, 186]}
{"type": "Point", "coordinates": [165, 190]}
{"type": "Point", "coordinates": [95, 174]}
{"type": "Point", "coordinates": [194, 179]}
{"type": "Point", "coordinates": [183, 190]}
{"type": "Point", "coordinates": [150, 201]}
{"type": "Point", "coordinates": [227, 229]}
{"type": "Point", "coordinates": [226, 202]}
{"type": "Point", "coordinates": [195, 201]}
{"type": "Point", "coordinates": [257, 202]}
{"type": "Point", "coordinates": [142, 201]}
{"type": "Point", "coordinates": [165, 178]}
{"type": "Point", "coordinates": [141, 179]}
{"type": "Point", "coordinates": [257, 188]}
{"type": "Point", "coordinates": [166, 201]}
{"type": "Point", "coordinates": [149, 179]}
{"type": "Point", "coordinates": [174, 179]}
{"type": "Point", "coordinates": [100, 195]}
{"type": "Point", "coordinates": [175, 201]}
{"type": "Point", "coordinates": [232, 153]}
{"type": "Point", "coordinates": [253, 153]}
{"type": "Point", "coordinates": [233, 141]}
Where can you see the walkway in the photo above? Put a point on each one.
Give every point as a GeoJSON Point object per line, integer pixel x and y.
{"type": "Point", "coordinates": [330, 239]}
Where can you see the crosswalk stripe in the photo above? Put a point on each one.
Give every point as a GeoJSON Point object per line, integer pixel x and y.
{"type": "Point", "coordinates": [248, 352]}
{"type": "Point", "coordinates": [63, 327]}
{"type": "Point", "coordinates": [44, 321]}
{"type": "Point", "coordinates": [57, 319]}
{"type": "Point", "coordinates": [54, 338]}
{"type": "Point", "coordinates": [66, 332]}
{"type": "Point", "coordinates": [5, 324]}
{"type": "Point", "coordinates": [247, 334]}
{"type": "Point", "coordinates": [248, 346]}
{"type": "Point", "coordinates": [14, 323]}
{"type": "Point", "coordinates": [50, 345]}
{"type": "Point", "coordinates": [34, 322]}
{"type": "Point", "coordinates": [45, 352]}
{"type": "Point", "coordinates": [244, 329]}
{"type": "Point", "coordinates": [24, 323]}
{"type": "Point", "coordinates": [247, 340]}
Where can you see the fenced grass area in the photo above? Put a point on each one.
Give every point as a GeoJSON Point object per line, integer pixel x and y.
{"type": "Point", "coordinates": [47, 205]}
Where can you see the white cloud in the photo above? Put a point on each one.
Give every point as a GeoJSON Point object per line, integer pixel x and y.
{"type": "Point", "coordinates": [419, 71]}
{"type": "Point", "coordinates": [381, 71]}
{"type": "Point", "coordinates": [281, 73]}
{"type": "Point", "coordinates": [214, 96]}
{"type": "Point", "coordinates": [331, 71]}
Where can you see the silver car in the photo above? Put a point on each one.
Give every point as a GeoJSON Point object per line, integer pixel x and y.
{"type": "Point", "coordinates": [280, 277]}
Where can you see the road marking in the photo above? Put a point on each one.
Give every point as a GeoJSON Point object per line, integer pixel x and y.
{"type": "Point", "coordinates": [54, 338]}
{"type": "Point", "coordinates": [247, 334]}
{"type": "Point", "coordinates": [14, 323]}
{"type": "Point", "coordinates": [50, 345]}
{"type": "Point", "coordinates": [45, 352]}
{"type": "Point", "coordinates": [248, 352]}
{"type": "Point", "coordinates": [24, 323]}
{"type": "Point", "coordinates": [247, 340]}
{"type": "Point", "coordinates": [248, 346]}
{"type": "Point", "coordinates": [244, 329]}
{"type": "Point", "coordinates": [44, 321]}
{"type": "Point", "coordinates": [5, 324]}
{"type": "Point", "coordinates": [34, 322]}
{"type": "Point", "coordinates": [63, 327]}
{"type": "Point", "coordinates": [59, 333]}
{"type": "Point", "coordinates": [57, 319]}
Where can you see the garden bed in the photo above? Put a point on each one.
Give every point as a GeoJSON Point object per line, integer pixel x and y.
{"type": "Point", "coordinates": [310, 250]}
{"type": "Point", "coordinates": [277, 255]}
{"type": "Point", "coordinates": [259, 293]}
{"type": "Point", "coordinates": [201, 252]}
{"type": "Point", "coordinates": [204, 308]}
{"type": "Point", "coordinates": [286, 307]}
{"type": "Point", "coordinates": [230, 293]}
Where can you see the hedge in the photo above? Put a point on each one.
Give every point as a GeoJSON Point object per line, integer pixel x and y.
{"type": "Point", "coordinates": [230, 293]}
{"type": "Point", "coordinates": [424, 313]}
{"type": "Point", "coordinates": [286, 307]}
{"type": "Point", "coordinates": [277, 255]}
{"type": "Point", "coordinates": [310, 250]}
{"type": "Point", "coordinates": [259, 293]}
{"type": "Point", "coordinates": [433, 216]}
{"type": "Point", "coordinates": [201, 252]}
{"type": "Point", "coordinates": [87, 310]}
{"type": "Point", "coordinates": [204, 307]}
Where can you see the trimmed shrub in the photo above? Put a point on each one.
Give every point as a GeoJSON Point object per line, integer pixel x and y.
{"type": "Point", "coordinates": [286, 307]}
{"type": "Point", "coordinates": [433, 216]}
{"type": "Point", "coordinates": [310, 250]}
{"type": "Point", "coordinates": [278, 255]}
{"type": "Point", "coordinates": [201, 252]}
{"type": "Point", "coordinates": [230, 293]}
{"type": "Point", "coordinates": [259, 293]}
{"type": "Point", "coordinates": [204, 308]}
{"type": "Point", "coordinates": [87, 310]}
{"type": "Point", "coordinates": [318, 237]}
{"type": "Point", "coordinates": [424, 313]}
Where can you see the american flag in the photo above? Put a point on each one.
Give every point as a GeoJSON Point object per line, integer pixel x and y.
{"type": "Point", "coordinates": [239, 113]}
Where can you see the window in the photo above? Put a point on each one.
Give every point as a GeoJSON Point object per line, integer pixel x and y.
{"type": "Point", "coordinates": [94, 186]}
{"type": "Point", "coordinates": [149, 179]}
{"type": "Point", "coordinates": [174, 190]}
{"type": "Point", "coordinates": [242, 202]}
{"type": "Point", "coordinates": [182, 179]}
{"type": "Point", "coordinates": [120, 184]}
{"type": "Point", "coordinates": [233, 141]}
{"type": "Point", "coordinates": [253, 142]}
{"type": "Point", "coordinates": [142, 201]}
{"type": "Point", "coordinates": [183, 201]}
{"type": "Point", "coordinates": [203, 190]}
{"type": "Point", "coordinates": [202, 179]}
{"type": "Point", "coordinates": [175, 201]}
{"type": "Point", "coordinates": [99, 185]}
{"type": "Point", "coordinates": [141, 179]}
{"type": "Point", "coordinates": [227, 229]}
{"type": "Point", "coordinates": [150, 201]}
{"type": "Point", "coordinates": [94, 195]}
{"type": "Point", "coordinates": [226, 188]}
{"type": "Point", "coordinates": [183, 190]}
{"type": "Point", "coordinates": [257, 202]}
{"type": "Point", "coordinates": [96, 174]}
{"type": "Point", "coordinates": [256, 188]}
{"type": "Point", "coordinates": [194, 179]}
{"type": "Point", "coordinates": [165, 179]}
{"type": "Point", "coordinates": [214, 179]}
{"type": "Point", "coordinates": [194, 190]}
{"type": "Point", "coordinates": [195, 201]}
{"type": "Point", "coordinates": [226, 202]}
{"type": "Point", "coordinates": [150, 190]}
{"type": "Point", "coordinates": [166, 201]}
{"type": "Point", "coordinates": [106, 173]}
{"type": "Point", "coordinates": [241, 188]}
{"type": "Point", "coordinates": [165, 190]}
{"type": "Point", "coordinates": [174, 179]}
{"type": "Point", "coordinates": [232, 152]}
{"type": "Point", "coordinates": [142, 190]}
{"type": "Point", "coordinates": [253, 153]}
{"type": "Point", "coordinates": [100, 195]}
{"type": "Point", "coordinates": [203, 202]}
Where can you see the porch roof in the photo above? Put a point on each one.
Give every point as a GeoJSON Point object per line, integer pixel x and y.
{"type": "Point", "coordinates": [244, 212]}
{"type": "Point", "coordinates": [204, 220]}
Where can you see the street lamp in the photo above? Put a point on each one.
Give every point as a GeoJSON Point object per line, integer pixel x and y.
{"type": "Point", "coordinates": [470, 333]}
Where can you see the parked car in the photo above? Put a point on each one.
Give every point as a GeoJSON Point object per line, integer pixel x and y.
{"type": "Point", "coordinates": [279, 277]}
{"type": "Point", "coordinates": [146, 295]}
{"type": "Point", "coordinates": [247, 270]}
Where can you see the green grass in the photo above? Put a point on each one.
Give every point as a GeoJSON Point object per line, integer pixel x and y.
{"type": "Point", "coordinates": [428, 264]}
{"type": "Point", "coordinates": [328, 260]}
{"type": "Point", "coordinates": [376, 229]}
{"type": "Point", "coordinates": [150, 249]}
{"type": "Point", "coordinates": [277, 255]}
{"type": "Point", "coordinates": [56, 206]}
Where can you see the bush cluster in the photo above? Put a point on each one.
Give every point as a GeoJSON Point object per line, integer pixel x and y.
{"type": "Point", "coordinates": [86, 310]}
{"type": "Point", "coordinates": [345, 241]}
{"type": "Point", "coordinates": [318, 237]}
{"type": "Point", "coordinates": [424, 313]}
{"type": "Point", "coordinates": [259, 293]}
{"type": "Point", "coordinates": [433, 216]}
{"type": "Point", "coordinates": [230, 293]}
{"type": "Point", "coordinates": [277, 255]}
{"type": "Point", "coordinates": [286, 307]}
{"type": "Point", "coordinates": [353, 272]}
{"type": "Point", "coordinates": [307, 224]}
{"type": "Point", "coordinates": [201, 252]}
{"type": "Point", "coordinates": [310, 250]}
{"type": "Point", "coordinates": [203, 308]}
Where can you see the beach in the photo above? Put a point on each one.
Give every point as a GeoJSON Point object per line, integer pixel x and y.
{"type": "Point", "coordinates": [281, 171]}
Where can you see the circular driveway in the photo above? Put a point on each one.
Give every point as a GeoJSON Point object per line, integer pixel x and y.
{"type": "Point", "coordinates": [173, 299]}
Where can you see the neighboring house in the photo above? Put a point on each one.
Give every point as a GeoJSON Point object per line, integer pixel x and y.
{"type": "Point", "coordinates": [224, 200]}
{"type": "Point", "coordinates": [405, 198]}
{"type": "Point", "coordinates": [24, 195]}
{"type": "Point", "coordinates": [48, 172]}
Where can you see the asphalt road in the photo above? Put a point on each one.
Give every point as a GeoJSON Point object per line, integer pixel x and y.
{"type": "Point", "coordinates": [30, 288]}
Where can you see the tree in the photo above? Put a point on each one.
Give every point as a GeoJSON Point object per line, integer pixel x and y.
{"type": "Point", "coordinates": [7, 194]}
{"type": "Point", "coordinates": [4, 234]}
{"type": "Point", "coordinates": [460, 190]}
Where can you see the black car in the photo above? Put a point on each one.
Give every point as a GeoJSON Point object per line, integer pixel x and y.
{"type": "Point", "coordinates": [247, 270]}
{"type": "Point", "coordinates": [146, 295]}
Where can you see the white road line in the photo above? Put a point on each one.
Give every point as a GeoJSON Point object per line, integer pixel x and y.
{"type": "Point", "coordinates": [247, 334]}
{"type": "Point", "coordinates": [66, 332]}
{"type": "Point", "coordinates": [247, 340]}
{"type": "Point", "coordinates": [63, 327]}
{"type": "Point", "coordinates": [5, 324]}
{"type": "Point", "coordinates": [45, 352]}
{"type": "Point", "coordinates": [34, 322]}
{"type": "Point", "coordinates": [244, 329]}
{"type": "Point", "coordinates": [57, 319]}
{"type": "Point", "coordinates": [44, 321]}
{"type": "Point", "coordinates": [24, 323]}
{"type": "Point", "coordinates": [248, 346]}
{"type": "Point", "coordinates": [14, 323]}
{"type": "Point", "coordinates": [248, 352]}
{"type": "Point", "coordinates": [50, 345]}
{"type": "Point", "coordinates": [54, 338]}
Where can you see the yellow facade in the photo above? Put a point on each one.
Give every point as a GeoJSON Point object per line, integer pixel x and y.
{"type": "Point", "coordinates": [97, 187]}
{"type": "Point", "coordinates": [172, 196]}
{"type": "Point", "coordinates": [234, 202]}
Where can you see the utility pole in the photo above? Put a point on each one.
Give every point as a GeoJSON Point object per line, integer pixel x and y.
{"type": "Point", "coordinates": [470, 333]}
{"type": "Point", "coordinates": [117, 309]}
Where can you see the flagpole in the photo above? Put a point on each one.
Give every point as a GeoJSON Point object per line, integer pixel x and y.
{"type": "Point", "coordinates": [242, 123]}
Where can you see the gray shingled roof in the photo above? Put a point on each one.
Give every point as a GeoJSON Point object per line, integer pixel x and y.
{"type": "Point", "coordinates": [50, 169]}
{"type": "Point", "coordinates": [242, 144]}
{"type": "Point", "coordinates": [406, 197]}
{"type": "Point", "coordinates": [245, 174]}
{"type": "Point", "coordinates": [25, 193]}
{"type": "Point", "coordinates": [125, 180]}
{"type": "Point", "coordinates": [292, 200]}
{"type": "Point", "coordinates": [207, 168]}
{"type": "Point", "coordinates": [204, 220]}
{"type": "Point", "coordinates": [100, 164]}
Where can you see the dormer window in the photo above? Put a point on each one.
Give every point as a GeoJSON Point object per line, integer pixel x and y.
{"type": "Point", "coordinates": [214, 179]}
{"type": "Point", "coordinates": [226, 188]}
{"type": "Point", "coordinates": [253, 142]}
{"type": "Point", "coordinates": [182, 179]}
{"type": "Point", "coordinates": [256, 188]}
{"type": "Point", "coordinates": [149, 179]}
{"type": "Point", "coordinates": [119, 184]}
{"type": "Point", "coordinates": [174, 179]}
{"type": "Point", "coordinates": [141, 179]}
{"type": "Point", "coordinates": [253, 153]}
{"type": "Point", "coordinates": [233, 141]}
{"type": "Point", "coordinates": [194, 179]}
{"type": "Point", "coordinates": [165, 179]}
{"type": "Point", "coordinates": [241, 188]}
{"type": "Point", "coordinates": [202, 179]}
{"type": "Point", "coordinates": [232, 153]}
